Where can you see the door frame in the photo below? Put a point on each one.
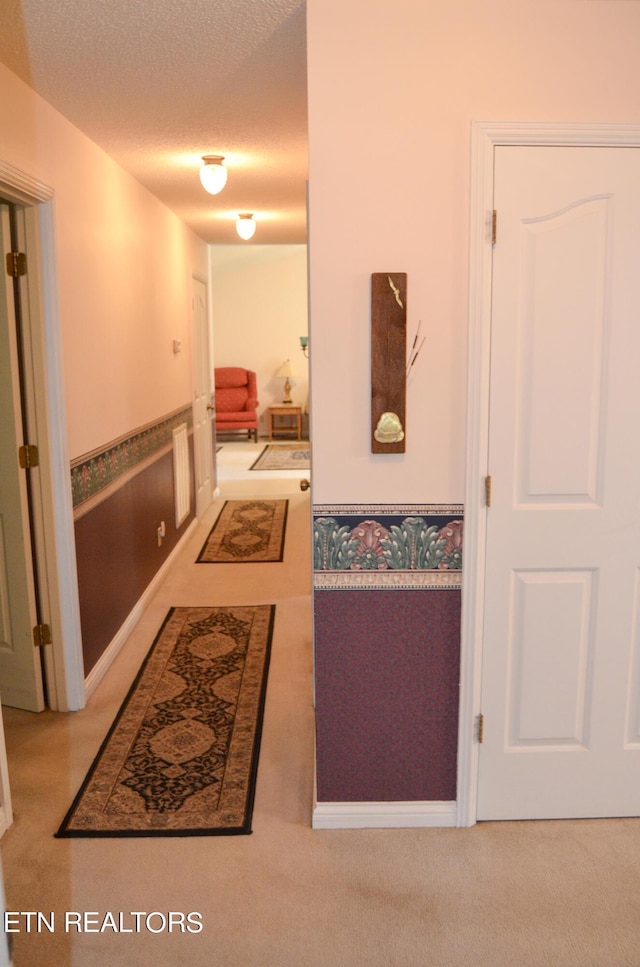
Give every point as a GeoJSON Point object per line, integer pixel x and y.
{"type": "Point", "coordinates": [56, 542]}
{"type": "Point", "coordinates": [210, 456]}
{"type": "Point", "coordinates": [485, 137]}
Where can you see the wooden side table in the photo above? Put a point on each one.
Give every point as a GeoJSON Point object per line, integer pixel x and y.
{"type": "Point", "coordinates": [292, 427]}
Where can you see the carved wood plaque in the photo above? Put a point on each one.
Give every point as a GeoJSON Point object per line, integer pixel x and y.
{"type": "Point", "coordinates": [388, 361]}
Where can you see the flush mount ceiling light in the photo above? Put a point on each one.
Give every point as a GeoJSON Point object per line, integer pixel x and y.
{"type": "Point", "coordinates": [245, 226]}
{"type": "Point", "coordinates": [213, 173]}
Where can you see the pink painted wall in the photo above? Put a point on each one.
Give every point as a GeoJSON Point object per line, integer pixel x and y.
{"type": "Point", "coordinates": [124, 266]}
{"type": "Point", "coordinates": [393, 89]}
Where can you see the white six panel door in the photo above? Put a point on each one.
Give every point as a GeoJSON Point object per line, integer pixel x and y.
{"type": "Point", "coordinates": [561, 658]}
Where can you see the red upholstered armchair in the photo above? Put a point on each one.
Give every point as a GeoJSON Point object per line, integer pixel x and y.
{"type": "Point", "coordinates": [236, 400]}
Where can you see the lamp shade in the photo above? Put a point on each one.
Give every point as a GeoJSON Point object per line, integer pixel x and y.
{"type": "Point", "coordinates": [286, 371]}
{"type": "Point", "coordinates": [213, 174]}
{"type": "Point", "coordinates": [245, 226]}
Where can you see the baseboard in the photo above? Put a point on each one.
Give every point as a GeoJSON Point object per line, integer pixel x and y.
{"type": "Point", "coordinates": [5, 821]}
{"type": "Point", "coordinates": [382, 815]}
{"type": "Point", "coordinates": [108, 656]}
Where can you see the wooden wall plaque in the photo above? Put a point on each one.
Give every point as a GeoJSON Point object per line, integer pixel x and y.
{"type": "Point", "coordinates": [388, 361]}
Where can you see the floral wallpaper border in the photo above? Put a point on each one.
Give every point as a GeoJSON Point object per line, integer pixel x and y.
{"type": "Point", "coordinates": [387, 546]}
{"type": "Point", "coordinates": [93, 473]}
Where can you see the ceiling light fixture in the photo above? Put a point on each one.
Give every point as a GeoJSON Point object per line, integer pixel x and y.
{"type": "Point", "coordinates": [245, 226]}
{"type": "Point", "coordinates": [213, 173]}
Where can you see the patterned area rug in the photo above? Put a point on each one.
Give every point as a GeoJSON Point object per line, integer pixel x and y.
{"type": "Point", "coordinates": [284, 456]}
{"type": "Point", "coordinates": [182, 755]}
{"type": "Point", "coordinates": [246, 532]}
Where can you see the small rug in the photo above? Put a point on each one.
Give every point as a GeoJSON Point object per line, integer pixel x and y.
{"type": "Point", "coordinates": [284, 456]}
{"type": "Point", "coordinates": [247, 532]}
{"type": "Point", "coordinates": [181, 757]}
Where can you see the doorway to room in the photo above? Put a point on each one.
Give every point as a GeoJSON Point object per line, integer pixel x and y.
{"type": "Point", "coordinates": [23, 607]}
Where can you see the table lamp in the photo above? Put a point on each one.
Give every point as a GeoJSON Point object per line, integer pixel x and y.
{"type": "Point", "coordinates": [286, 372]}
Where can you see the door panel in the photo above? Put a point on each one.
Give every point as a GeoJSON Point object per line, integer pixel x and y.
{"type": "Point", "coordinates": [564, 262]}
{"type": "Point", "coordinates": [550, 684]}
{"type": "Point", "coordinates": [560, 661]}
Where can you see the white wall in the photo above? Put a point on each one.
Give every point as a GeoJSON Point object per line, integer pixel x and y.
{"type": "Point", "coordinates": [124, 265]}
{"type": "Point", "coordinates": [259, 299]}
{"type": "Point", "coordinates": [393, 89]}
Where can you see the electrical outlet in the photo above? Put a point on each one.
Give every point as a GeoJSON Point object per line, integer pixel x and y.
{"type": "Point", "coordinates": [162, 532]}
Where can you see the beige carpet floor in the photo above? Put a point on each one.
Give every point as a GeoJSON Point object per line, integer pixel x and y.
{"type": "Point", "coordinates": [546, 894]}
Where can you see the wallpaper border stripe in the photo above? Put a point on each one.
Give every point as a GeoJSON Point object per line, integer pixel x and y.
{"type": "Point", "coordinates": [96, 474]}
{"type": "Point", "coordinates": [387, 546]}
{"type": "Point", "coordinates": [386, 581]}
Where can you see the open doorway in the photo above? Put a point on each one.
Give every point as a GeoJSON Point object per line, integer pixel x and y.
{"type": "Point", "coordinates": [25, 631]}
{"type": "Point", "coordinates": [259, 311]}
{"type": "Point", "coordinates": [52, 538]}
{"type": "Point", "coordinates": [40, 662]}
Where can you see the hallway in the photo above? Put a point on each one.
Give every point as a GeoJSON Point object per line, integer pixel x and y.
{"type": "Point", "coordinates": [49, 754]}
{"type": "Point", "coordinates": [499, 894]}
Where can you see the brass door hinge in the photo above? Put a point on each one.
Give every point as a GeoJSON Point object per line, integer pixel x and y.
{"type": "Point", "coordinates": [480, 728]}
{"type": "Point", "coordinates": [28, 457]}
{"type": "Point", "coordinates": [487, 491]}
{"type": "Point", "coordinates": [494, 227]}
{"type": "Point", "coordinates": [16, 264]}
{"type": "Point", "coordinates": [41, 636]}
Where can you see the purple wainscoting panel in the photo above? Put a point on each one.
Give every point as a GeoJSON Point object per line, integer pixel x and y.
{"type": "Point", "coordinates": [117, 550]}
{"type": "Point", "coordinates": [387, 683]}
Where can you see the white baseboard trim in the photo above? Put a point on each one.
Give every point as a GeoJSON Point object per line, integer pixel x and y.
{"type": "Point", "coordinates": [382, 815]}
{"type": "Point", "coordinates": [5, 821]}
{"type": "Point", "coordinates": [108, 656]}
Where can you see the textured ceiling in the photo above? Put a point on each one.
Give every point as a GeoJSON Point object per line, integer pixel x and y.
{"type": "Point", "coordinates": [159, 83]}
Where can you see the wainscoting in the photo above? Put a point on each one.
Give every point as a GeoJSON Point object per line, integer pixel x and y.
{"type": "Point", "coordinates": [387, 642]}
{"type": "Point", "coordinates": [122, 493]}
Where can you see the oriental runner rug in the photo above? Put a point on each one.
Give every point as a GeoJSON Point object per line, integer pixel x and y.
{"type": "Point", "coordinates": [284, 456]}
{"type": "Point", "coordinates": [247, 532]}
{"type": "Point", "coordinates": [181, 758]}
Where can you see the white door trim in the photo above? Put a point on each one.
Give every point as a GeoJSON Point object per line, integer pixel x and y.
{"type": "Point", "coordinates": [209, 455]}
{"type": "Point", "coordinates": [485, 136]}
{"type": "Point", "coordinates": [65, 672]}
